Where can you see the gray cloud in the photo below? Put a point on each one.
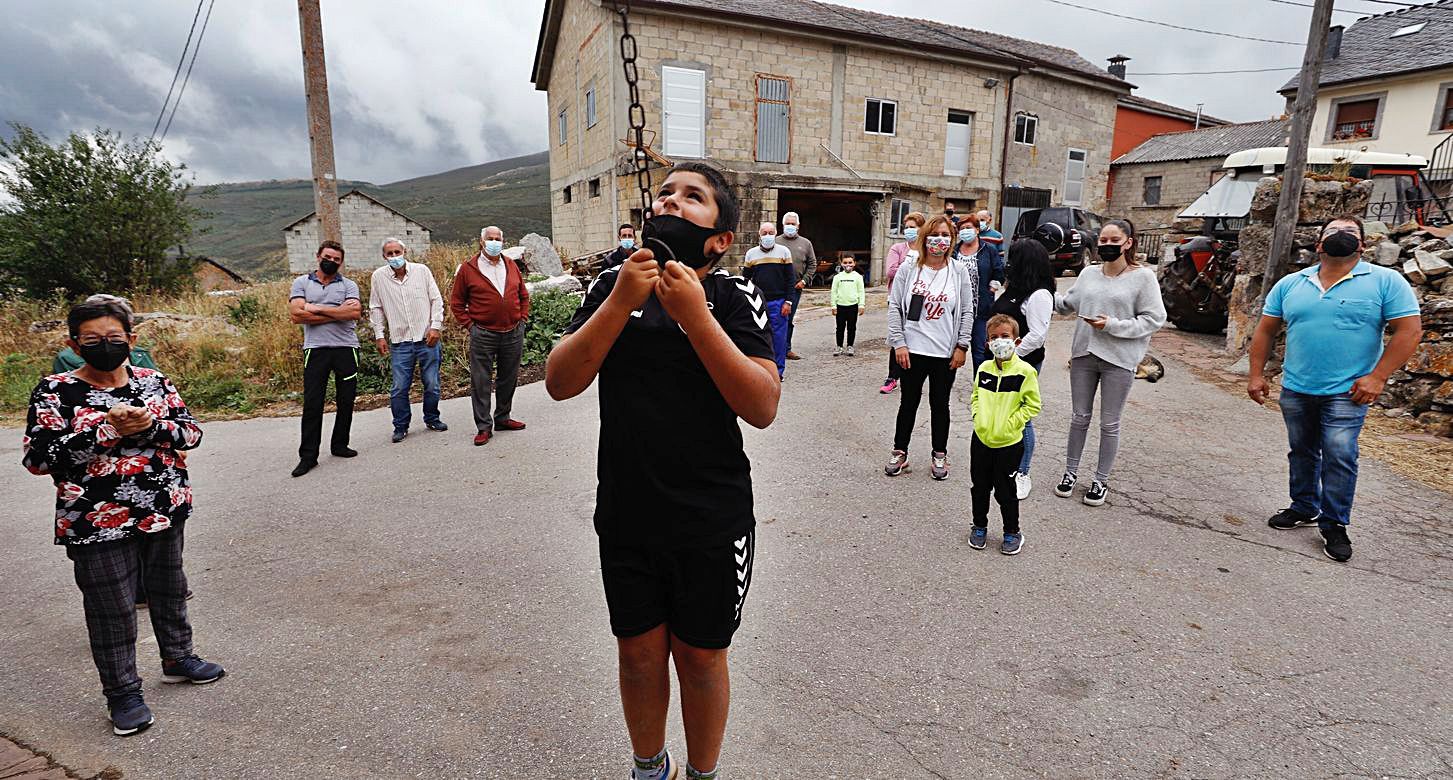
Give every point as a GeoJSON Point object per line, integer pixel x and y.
{"type": "Point", "coordinates": [433, 84]}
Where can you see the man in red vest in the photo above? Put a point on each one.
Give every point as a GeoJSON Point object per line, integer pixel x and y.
{"type": "Point", "coordinates": [489, 298]}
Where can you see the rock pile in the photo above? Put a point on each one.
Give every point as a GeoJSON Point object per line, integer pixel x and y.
{"type": "Point", "coordinates": [1424, 389]}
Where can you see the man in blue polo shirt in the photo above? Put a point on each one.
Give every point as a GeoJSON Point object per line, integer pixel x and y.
{"type": "Point", "coordinates": [1335, 366]}
{"type": "Point", "coordinates": [326, 304]}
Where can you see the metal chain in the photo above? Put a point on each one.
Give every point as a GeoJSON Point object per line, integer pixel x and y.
{"type": "Point", "coordinates": [637, 112]}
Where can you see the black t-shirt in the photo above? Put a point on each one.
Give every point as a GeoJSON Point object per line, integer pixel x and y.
{"type": "Point", "coordinates": [671, 465]}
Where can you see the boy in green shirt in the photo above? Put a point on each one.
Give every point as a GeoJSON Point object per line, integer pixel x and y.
{"type": "Point", "coordinates": [1006, 396]}
{"type": "Point", "coordinates": [847, 301]}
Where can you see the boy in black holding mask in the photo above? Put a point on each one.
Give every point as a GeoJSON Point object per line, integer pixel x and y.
{"type": "Point", "coordinates": [682, 351]}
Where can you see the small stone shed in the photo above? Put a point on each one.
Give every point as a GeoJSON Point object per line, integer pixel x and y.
{"type": "Point", "coordinates": [365, 221]}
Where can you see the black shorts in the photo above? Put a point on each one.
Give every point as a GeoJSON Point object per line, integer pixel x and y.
{"type": "Point", "coordinates": [697, 593]}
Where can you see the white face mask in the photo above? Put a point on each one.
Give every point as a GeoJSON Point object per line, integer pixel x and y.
{"type": "Point", "coordinates": [789, 230]}
{"type": "Point", "coordinates": [1002, 348]}
{"type": "Point", "coordinates": [768, 242]}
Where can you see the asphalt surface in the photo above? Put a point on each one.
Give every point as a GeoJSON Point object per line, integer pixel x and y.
{"type": "Point", "coordinates": [434, 610]}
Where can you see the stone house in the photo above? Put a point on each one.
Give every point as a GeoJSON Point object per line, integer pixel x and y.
{"type": "Point", "coordinates": [1159, 178]}
{"type": "Point", "coordinates": [1387, 86]}
{"type": "Point", "coordinates": [212, 276]}
{"type": "Point", "coordinates": [851, 118]}
{"type": "Point", "coordinates": [365, 222]}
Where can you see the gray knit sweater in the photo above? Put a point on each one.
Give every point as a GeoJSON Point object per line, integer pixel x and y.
{"type": "Point", "coordinates": [1132, 303]}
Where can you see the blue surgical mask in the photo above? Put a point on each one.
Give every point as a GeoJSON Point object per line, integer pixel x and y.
{"type": "Point", "coordinates": [789, 230]}
{"type": "Point", "coordinates": [910, 233]}
{"type": "Point", "coordinates": [768, 242]}
{"type": "Point", "coordinates": [493, 247]}
{"type": "Point", "coordinates": [397, 262]}
{"type": "Point", "coordinates": [628, 244]}
{"type": "Point", "coordinates": [967, 235]}
{"type": "Point", "coordinates": [983, 225]}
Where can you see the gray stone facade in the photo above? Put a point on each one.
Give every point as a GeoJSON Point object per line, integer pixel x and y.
{"type": "Point", "coordinates": [365, 223]}
{"type": "Point", "coordinates": [830, 151]}
{"type": "Point", "coordinates": [1181, 182]}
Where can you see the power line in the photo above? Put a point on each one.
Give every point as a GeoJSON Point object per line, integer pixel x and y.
{"type": "Point", "coordinates": [177, 73]}
{"type": "Point", "coordinates": [1211, 72]}
{"type": "Point", "coordinates": [1334, 10]}
{"type": "Point", "coordinates": [195, 51]}
{"type": "Point", "coordinates": [1174, 26]}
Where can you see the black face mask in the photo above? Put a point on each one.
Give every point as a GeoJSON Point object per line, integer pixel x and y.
{"type": "Point", "coordinates": [1110, 252]}
{"type": "Point", "coordinates": [104, 356]}
{"type": "Point", "coordinates": [673, 238]}
{"type": "Point", "coordinates": [328, 267]}
{"type": "Point", "coordinates": [1340, 244]}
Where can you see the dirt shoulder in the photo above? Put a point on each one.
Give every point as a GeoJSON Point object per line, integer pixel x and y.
{"type": "Point", "coordinates": [1407, 449]}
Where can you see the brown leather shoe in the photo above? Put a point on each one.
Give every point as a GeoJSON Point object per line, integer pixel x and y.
{"type": "Point", "coordinates": [481, 439]}
{"type": "Point", "coordinates": [793, 355]}
{"type": "Point", "coordinates": [509, 425]}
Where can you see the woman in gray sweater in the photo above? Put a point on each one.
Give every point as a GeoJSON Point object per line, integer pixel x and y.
{"type": "Point", "coordinates": [1118, 302]}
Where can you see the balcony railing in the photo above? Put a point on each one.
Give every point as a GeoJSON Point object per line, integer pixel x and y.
{"type": "Point", "coordinates": [1347, 131]}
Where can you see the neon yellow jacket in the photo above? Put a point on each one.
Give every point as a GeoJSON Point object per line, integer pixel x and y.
{"type": "Point", "coordinates": [1004, 400]}
{"type": "Point", "coordinates": [847, 289]}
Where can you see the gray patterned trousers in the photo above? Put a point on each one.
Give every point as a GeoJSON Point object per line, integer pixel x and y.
{"type": "Point", "coordinates": [107, 575]}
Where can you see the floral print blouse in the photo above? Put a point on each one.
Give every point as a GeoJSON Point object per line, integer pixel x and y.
{"type": "Point", "coordinates": [109, 486]}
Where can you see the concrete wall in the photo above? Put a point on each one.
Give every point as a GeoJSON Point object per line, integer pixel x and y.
{"type": "Point", "coordinates": [365, 225]}
{"type": "Point", "coordinates": [1181, 182]}
{"type": "Point", "coordinates": [1090, 126]}
{"type": "Point", "coordinates": [1406, 122]}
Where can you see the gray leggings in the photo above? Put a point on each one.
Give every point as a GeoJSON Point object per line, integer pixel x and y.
{"type": "Point", "coordinates": [1086, 372]}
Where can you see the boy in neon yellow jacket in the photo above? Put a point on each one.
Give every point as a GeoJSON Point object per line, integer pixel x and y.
{"type": "Point", "coordinates": [1006, 396]}
{"type": "Point", "coordinates": [847, 301]}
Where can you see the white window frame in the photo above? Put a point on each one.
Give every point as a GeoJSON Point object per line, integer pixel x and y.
{"type": "Point", "coordinates": [968, 141]}
{"type": "Point", "coordinates": [560, 120]}
{"type": "Point", "coordinates": [666, 139]}
{"type": "Point", "coordinates": [1030, 132]}
{"type": "Point", "coordinates": [1084, 175]}
{"type": "Point", "coordinates": [895, 219]}
{"type": "Point", "coordinates": [867, 103]}
{"type": "Point", "coordinates": [590, 116]}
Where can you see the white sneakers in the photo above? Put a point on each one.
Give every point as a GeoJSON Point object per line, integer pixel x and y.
{"type": "Point", "coordinates": [1022, 485]}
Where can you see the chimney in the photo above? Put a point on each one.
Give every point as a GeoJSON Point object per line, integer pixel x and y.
{"type": "Point", "coordinates": [1334, 42]}
{"type": "Point", "coordinates": [1117, 63]}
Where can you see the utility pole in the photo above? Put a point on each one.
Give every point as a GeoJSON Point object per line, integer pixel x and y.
{"type": "Point", "coordinates": [1292, 176]}
{"type": "Point", "coordinates": [320, 119]}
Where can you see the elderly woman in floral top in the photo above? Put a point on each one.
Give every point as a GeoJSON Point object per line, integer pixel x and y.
{"type": "Point", "coordinates": [112, 438]}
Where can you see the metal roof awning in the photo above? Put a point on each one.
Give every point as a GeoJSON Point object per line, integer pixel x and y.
{"type": "Point", "coordinates": [1228, 197]}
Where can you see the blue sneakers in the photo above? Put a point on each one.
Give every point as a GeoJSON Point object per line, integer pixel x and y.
{"type": "Point", "coordinates": [191, 669]}
{"type": "Point", "coordinates": [1012, 544]}
{"type": "Point", "coordinates": [129, 714]}
{"type": "Point", "coordinates": [978, 538]}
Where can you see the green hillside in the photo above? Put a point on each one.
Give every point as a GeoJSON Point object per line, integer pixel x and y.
{"type": "Point", "coordinates": [244, 228]}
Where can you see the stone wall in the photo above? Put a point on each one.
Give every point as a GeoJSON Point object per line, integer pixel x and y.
{"type": "Point", "coordinates": [1088, 125]}
{"type": "Point", "coordinates": [1181, 182]}
{"type": "Point", "coordinates": [586, 59]}
{"type": "Point", "coordinates": [365, 225]}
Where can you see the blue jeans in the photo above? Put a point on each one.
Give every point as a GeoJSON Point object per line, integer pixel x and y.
{"type": "Point", "coordinates": [979, 346]}
{"type": "Point", "coordinates": [404, 356]}
{"type": "Point", "coordinates": [1028, 436]}
{"type": "Point", "coordinates": [1322, 432]}
{"type": "Point", "coordinates": [796, 299]}
{"type": "Point", "coordinates": [779, 325]}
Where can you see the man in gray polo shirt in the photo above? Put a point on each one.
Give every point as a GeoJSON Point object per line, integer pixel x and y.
{"type": "Point", "coordinates": [326, 304]}
{"type": "Point", "coordinates": [804, 256]}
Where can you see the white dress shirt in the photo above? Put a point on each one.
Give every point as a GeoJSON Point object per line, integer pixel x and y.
{"type": "Point", "coordinates": [410, 306]}
{"type": "Point", "coordinates": [494, 271]}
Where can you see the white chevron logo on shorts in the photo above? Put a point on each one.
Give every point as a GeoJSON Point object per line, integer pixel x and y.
{"type": "Point", "coordinates": [756, 301]}
{"type": "Point", "coordinates": [761, 319]}
{"type": "Point", "coordinates": [741, 559]}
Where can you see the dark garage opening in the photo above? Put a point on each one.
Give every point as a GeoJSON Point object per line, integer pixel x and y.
{"type": "Point", "coordinates": [835, 222]}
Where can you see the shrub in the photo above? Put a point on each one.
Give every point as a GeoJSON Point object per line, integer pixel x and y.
{"type": "Point", "coordinates": [550, 312]}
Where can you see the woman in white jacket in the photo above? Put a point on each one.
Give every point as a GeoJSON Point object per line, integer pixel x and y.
{"type": "Point", "coordinates": [930, 328]}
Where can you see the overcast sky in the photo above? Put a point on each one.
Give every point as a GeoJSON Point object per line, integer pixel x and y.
{"type": "Point", "coordinates": [430, 85]}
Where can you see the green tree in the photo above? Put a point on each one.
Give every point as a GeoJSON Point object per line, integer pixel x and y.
{"type": "Point", "coordinates": [91, 214]}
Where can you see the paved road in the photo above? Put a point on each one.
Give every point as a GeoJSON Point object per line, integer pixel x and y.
{"type": "Point", "coordinates": [434, 610]}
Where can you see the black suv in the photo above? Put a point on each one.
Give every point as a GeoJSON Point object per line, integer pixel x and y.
{"type": "Point", "coordinates": [1081, 230]}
